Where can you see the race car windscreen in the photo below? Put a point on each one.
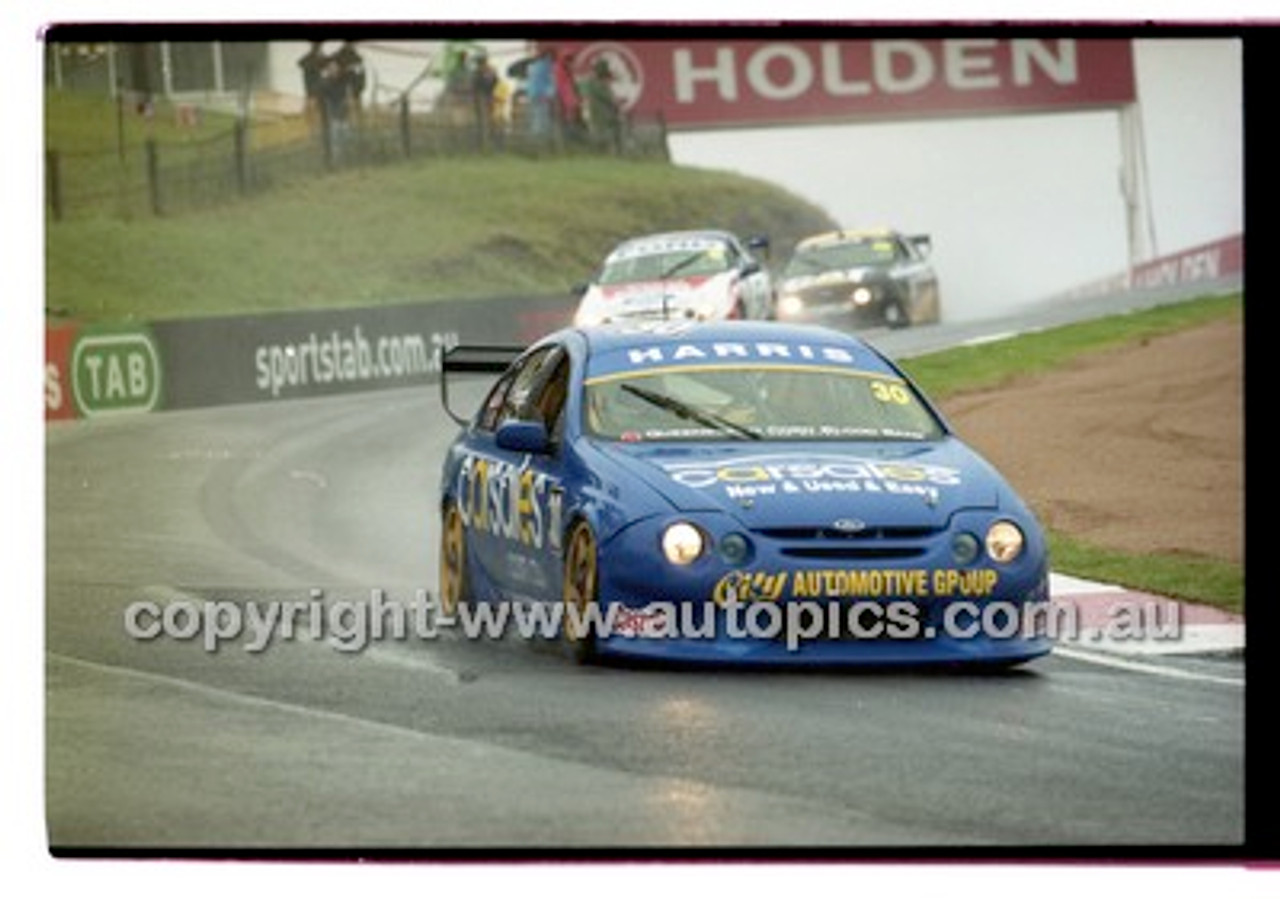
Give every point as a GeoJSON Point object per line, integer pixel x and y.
{"type": "Point", "coordinates": [852, 254]}
{"type": "Point", "coordinates": [711, 260]}
{"type": "Point", "coordinates": [756, 403]}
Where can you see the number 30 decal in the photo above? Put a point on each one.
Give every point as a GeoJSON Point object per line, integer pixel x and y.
{"type": "Point", "coordinates": [890, 393]}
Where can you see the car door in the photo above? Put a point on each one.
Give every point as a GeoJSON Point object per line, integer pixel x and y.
{"type": "Point", "coordinates": [917, 276]}
{"type": "Point", "coordinates": [514, 497]}
{"type": "Point", "coordinates": [756, 289]}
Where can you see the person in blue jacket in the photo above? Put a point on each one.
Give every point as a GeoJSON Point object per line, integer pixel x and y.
{"type": "Point", "coordinates": [540, 91]}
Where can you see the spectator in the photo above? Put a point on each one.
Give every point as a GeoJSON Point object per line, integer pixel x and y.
{"type": "Point", "coordinates": [604, 115]}
{"type": "Point", "coordinates": [335, 100]}
{"type": "Point", "coordinates": [455, 104]}
{"type": "Point", "coordinates": [453, 59]}
{"type": "Point", "coordinates": [518, 111]}
{"type": "Point", "coordinates": [484, 82]}
{"type": "Point", "coordinates": [311, 63]}
{"type": "Point", "coordinates": [351, 72]}
{"type": "Point", "coordinates": [501, 110]}
{"type": "Point", "coordinates": [540, 93]}
{"type": "Point", "coordinates": [569, 101]}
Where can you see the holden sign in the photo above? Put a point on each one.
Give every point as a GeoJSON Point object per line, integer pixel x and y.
{"type": "Point", "coordinates": [705, 83]}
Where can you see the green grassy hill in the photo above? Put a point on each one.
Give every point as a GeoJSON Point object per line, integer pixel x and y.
{"type": "Point", "coordinates": [420, 230]}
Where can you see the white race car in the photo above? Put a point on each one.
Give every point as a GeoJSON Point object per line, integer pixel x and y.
{"type": "Point", "coordinates": [681, 275]}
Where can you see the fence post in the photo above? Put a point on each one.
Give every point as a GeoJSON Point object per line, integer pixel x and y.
{"type": "Point", "coordinates": [404, 125]}
{"type": "Point", "coordinates": [120, 119]}
{"type": "Point", "coordinates": [240, 136]}
{"type": "Point", "coordinates": [153, 175]}
{"type": "Point", "coordinates": [53, 182]}
{"type": "Point", "coordinates": [479, 110]}
{"type": "Point", "coordinates": [616, 127]}
{"type": "Point", "coordinates": [326, 135]}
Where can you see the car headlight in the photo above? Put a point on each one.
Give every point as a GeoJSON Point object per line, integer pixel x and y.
{"type": "Point", "coordinates": [682, 543]}
{"type": "Point", "coordinates": [862, 296]}
{"type": "Point", "coordinates": [1004, 541]}
{"type": "Point", "coordinates": [790, 304]}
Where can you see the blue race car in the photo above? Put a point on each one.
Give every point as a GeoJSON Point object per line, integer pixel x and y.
{"type": "Point", "coordinates": [748, 492]}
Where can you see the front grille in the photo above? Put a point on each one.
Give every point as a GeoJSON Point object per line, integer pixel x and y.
{"type": "Point", "coordinates": [852, 552]}
{"type": "Point", "coordinates": [893, 532]}
{"type": "Point", "coordinates": [830, 296]}
{"type": "Point", "coordinates": [884, 542]}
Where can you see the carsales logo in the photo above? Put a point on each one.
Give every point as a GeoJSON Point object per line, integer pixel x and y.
{"type": "Point", "coordinates": [624, 66]}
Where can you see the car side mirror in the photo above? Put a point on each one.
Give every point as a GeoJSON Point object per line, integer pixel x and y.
{"type": "Point", "coordinates": [523, 437]}
{"type": "Point", "coordinates": [580, 288]}
{"type": "Point", "coordinates": [750, 267]}
{"type": "Point", "coordinates": [923, 243]}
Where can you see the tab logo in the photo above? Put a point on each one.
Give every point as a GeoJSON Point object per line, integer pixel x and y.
{"type": "Point", "coordinates": [114, 373]}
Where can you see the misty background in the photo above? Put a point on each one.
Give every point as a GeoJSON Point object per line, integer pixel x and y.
{"type": "Point", "coordinates": [1022, 208]}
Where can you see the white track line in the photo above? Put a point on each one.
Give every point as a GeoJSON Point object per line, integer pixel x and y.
{"type": "Point", "coordinates": [989, 338]}
{"type": "Point", "coordinates": [232, 696]}
{"type": "Point", "coordinates": [1108, 661]}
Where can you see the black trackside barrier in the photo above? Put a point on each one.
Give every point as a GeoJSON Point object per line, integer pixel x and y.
{"type": "Point", "coordinates": [298, 355]}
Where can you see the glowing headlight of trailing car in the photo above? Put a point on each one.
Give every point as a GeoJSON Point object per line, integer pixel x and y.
{"type": "Point", "coordinates": [790, 305]}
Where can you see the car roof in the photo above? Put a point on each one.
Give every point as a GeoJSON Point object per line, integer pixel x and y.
{"type": "Point", "coordinates": [676, 331]}
{"type": "Point", "coordinates": [690, 234]}
{"type": "Point", "coordinates": [847, 235]}
{"type": "Point", "coordinates": [609, 347]}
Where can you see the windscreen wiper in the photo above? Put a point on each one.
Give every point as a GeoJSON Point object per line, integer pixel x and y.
{"type": "Point", "coordinates": [672, 270]}
{"type": "Point", "coordinates": [683, 410]}
{"type": "Point", "coordinates": [681, 265]}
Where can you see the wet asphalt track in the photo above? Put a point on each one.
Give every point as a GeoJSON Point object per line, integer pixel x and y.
{"type": "Point", "coordinates": [445, 744]}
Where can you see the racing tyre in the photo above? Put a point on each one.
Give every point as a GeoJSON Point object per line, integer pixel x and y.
{"type": "Point", "coordinates": [453, 562]}
{"type": "Point", "coordinates": [579, 591]}
{"type": "Point", "coordinates": [895, 316]}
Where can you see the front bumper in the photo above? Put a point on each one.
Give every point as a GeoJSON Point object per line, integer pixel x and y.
{"type": "Point", "coordinates": [780, 610]}
{"type": "Point", "coordinates": [723, 648]}
{"type": "Point", "coordinates": [837, 304]}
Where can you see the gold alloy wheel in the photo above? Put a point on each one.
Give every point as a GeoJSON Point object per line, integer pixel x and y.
{"type": "Point", "coordinates": [453, 562]}
{"type": "Point", "coordinates": [579, 590]}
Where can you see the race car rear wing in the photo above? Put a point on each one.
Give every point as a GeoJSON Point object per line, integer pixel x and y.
{"type": "Point", "coordinates": [477, 359]}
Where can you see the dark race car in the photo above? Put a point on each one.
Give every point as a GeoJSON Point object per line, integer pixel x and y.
{"type": "Point", "coordinates": [860, 278]}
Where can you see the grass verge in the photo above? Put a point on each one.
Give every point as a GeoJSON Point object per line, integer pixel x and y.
{"type": "Point", "coordinates": [943, 374]}
{"type": "Point", "coordinates": [1194, 578]}
{"type": "Point", "coordinates": [991, 365]}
